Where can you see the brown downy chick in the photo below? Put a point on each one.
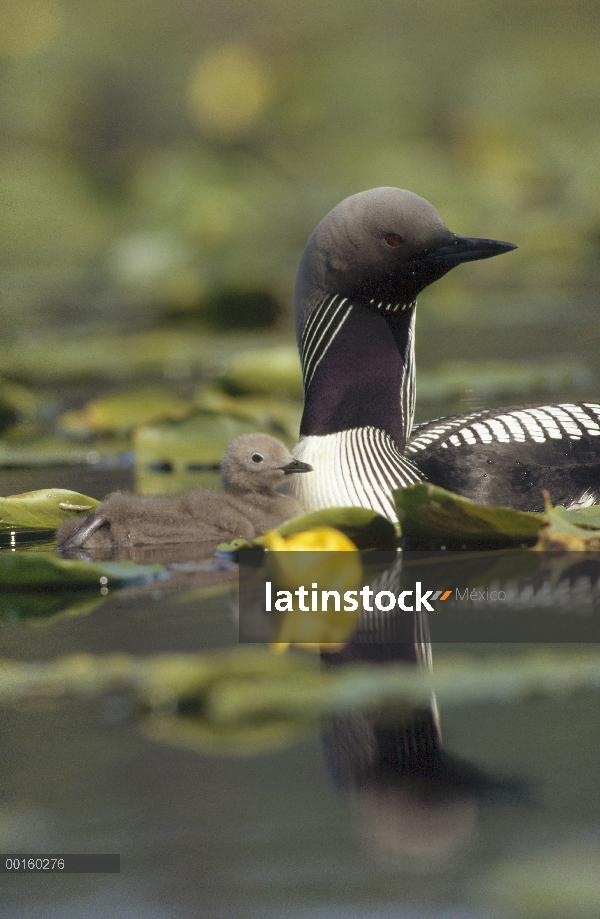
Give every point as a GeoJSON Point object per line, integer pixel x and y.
{"type": "Point", "coordinates": [254, 465]}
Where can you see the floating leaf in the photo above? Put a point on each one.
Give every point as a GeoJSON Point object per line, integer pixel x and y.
{"type": "Point", "coordinates": [48, 507]}
{"type": "Point", "coordinates": [22, 536]}
{"type": "Point", "coordinates": [586, 516]}
{"type": "Point", "coordinates": [178, 457]}
{"type": "Point", "coordinates": [500, 379]}
{"type": "Point", "coordinates": [34, 570]}
{"type": "Point", "coordinates": [209, 727]}
{"type": "Point", "coordinates": [265, 371]}
{"type": "Point", "coordinates": [22, 401]}
{"type": "Point", "coordinates": [428, 512]}
{"type": "Point", "coordinates": [279, 416]}
{"type": "Point", "coordinates": [563, 534]}
{"type": "Point", "coordinates": [239, 701]}
{"type": "Point", "coordinates": [364, 527]}
{"type": "Point", "coordinates": [42, 606]}
{"type": "Point", "coordinates": [49, 450]}
{"type": "Point", "coordinates": [162, 352]}
{"type": "Point", "coordinates": [121, 411]}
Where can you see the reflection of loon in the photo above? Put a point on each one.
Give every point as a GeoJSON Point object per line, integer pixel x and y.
{"type": "Point", "coordinates": [414, 800]}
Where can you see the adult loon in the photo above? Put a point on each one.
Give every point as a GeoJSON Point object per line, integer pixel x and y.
{"type": "Point", "coordinates": [355, 300]}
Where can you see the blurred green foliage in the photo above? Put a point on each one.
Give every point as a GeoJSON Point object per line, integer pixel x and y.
{"type": "Point", "coordinates": [156, 156]}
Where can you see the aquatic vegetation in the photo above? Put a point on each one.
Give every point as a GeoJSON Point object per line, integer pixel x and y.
{"type": "Point", "coordinates": [125, 409]}
{"type": "Point", "coordinates": [37, 570]}
{"type": "Point", "coordinates": [365, 528]}
{"type": "Point", "coordinates": [323, 555]}
{"type": "Point", "coordinates": [242, 701]}
{"type": "Point", "coordinates": [265, 370]}
{"type": "Point", "coordinates": [45, 508]}
{"type": "Point", "coordinates": [426, 511]}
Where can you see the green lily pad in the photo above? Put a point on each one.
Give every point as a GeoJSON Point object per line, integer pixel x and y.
{"type": "Point", "coordinates": [544, 883]}
{"type": "Point", "coordinates": [176, 684]}
{"type": "Point", "coordinates": [49, 450]}
{"type": "Point", "coordinates": [586, 516]}
{"type": "Point", "coordinates": [107, 357]}
{"type": "Point", "coordinates": [241, 701]}
{"type": "Point", "coordinates": [564, 534]}
{"type": "Point", "coordinates": [46, 508]}
{"type": "Point", "coordinates": [428, 512]}
{"type": "Point", "coordinates": [33, 570]}
{"type": "Point", "coordinates": [267, 370]}
{"type": "Point", "coordinates": [42, 606]}
{"type": "Point", "coordinates": [366, 528]}
{"type": "Point", "coordinates": [279, 416]}
{"type": "Point", "coordinates": [26, 536]}
{"type": "Point", "coordinates": [121, 411]}
{"type": "Point", "coordinates": [177, 457]}
{"type": "Point", "coordinates": [500, 379]}
{"type": "Point", "coordinates": [26, 405]}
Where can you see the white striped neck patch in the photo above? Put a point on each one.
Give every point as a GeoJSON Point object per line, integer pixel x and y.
{"type": "Point", "coordinates": [359, 467]}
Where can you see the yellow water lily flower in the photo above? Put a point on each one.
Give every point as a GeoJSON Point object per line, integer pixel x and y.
{"type": "Point", "coordinates": [325, 616]}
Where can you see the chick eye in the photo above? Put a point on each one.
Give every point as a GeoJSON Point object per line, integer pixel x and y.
{"type": "Point", "coordinates": [393, 240]}
{"type": "Point", "coordinates": [257, 457]}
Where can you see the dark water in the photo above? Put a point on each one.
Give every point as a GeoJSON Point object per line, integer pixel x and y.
{"type": "Point", "coordinates": [273, 835]}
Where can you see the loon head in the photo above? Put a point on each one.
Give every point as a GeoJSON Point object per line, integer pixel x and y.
{"type": "Point", "coordinates": [381, 246]}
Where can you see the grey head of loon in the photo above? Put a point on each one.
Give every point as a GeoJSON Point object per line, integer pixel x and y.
{"type": "Point", "coordinates": [381, 246]}
{"type": "Point", "coordinates": [354, 307]}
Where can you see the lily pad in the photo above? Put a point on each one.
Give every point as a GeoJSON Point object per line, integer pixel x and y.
{"type": "Point", "coordinates": [121, 411]}
{"type": "Point", "coordinates": [564, 534]}
{"type": "Point", "coordinates": [238, 701]}
{"type": "Point", "coordinates": [49, 450]}
{"type": "Point", "coordinates": [501, 379]}
{"type": "Point", "coordinates": [554, 883]}
{"type": "Point", "coordinates": [33, 570]}
{"type": "Point", "coordinates": [177, 457]}
{"type": "Point", "coordinates": [586, 517]}
{"type": "Point", "coordinates": [26, 404]}
{"type": "Point", "coordinates": [42, 606]}
{"type": "Point", "coordinates": [159, 352]}
{"type": "Point", "coordinates": [428, 512]}
{"type": "Point", "coordinates": [267, 370]}
{"type": "Point", "coordinates": [23, 536]}
{"type": "Point", "coordinates": [279, 416]}
{"type": "Point", "coordinates": [364, 527]}
{"type": "Point", "coordinates": [46, 508]}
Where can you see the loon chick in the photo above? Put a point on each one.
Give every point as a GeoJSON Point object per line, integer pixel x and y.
{"type": "Point", "coordinates": [252, 468]}
{"type": "Point", "coordinates": [355, 299]}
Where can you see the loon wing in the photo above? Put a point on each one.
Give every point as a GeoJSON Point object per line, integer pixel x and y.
{"type": "Point", "coordinates": [508, 456]}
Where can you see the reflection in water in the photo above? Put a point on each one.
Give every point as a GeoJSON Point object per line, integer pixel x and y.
{"type": "Point", "coordinates": [165, 554]}
{"type": "Point", "coordinates": [416, 803]}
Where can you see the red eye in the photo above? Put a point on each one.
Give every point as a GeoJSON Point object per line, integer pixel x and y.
{"type": "Point", "coordinates": [392, 239]}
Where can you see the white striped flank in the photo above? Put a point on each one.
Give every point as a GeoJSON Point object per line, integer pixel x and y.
{"type": "Point", "coordinates": [320, 331]}
{"type": "Point", "coordinates": [444, 429]}
{"type": "Point", "coordinates": [539, 424]}
{"type": "Point", "coordinates": [358, 467]}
